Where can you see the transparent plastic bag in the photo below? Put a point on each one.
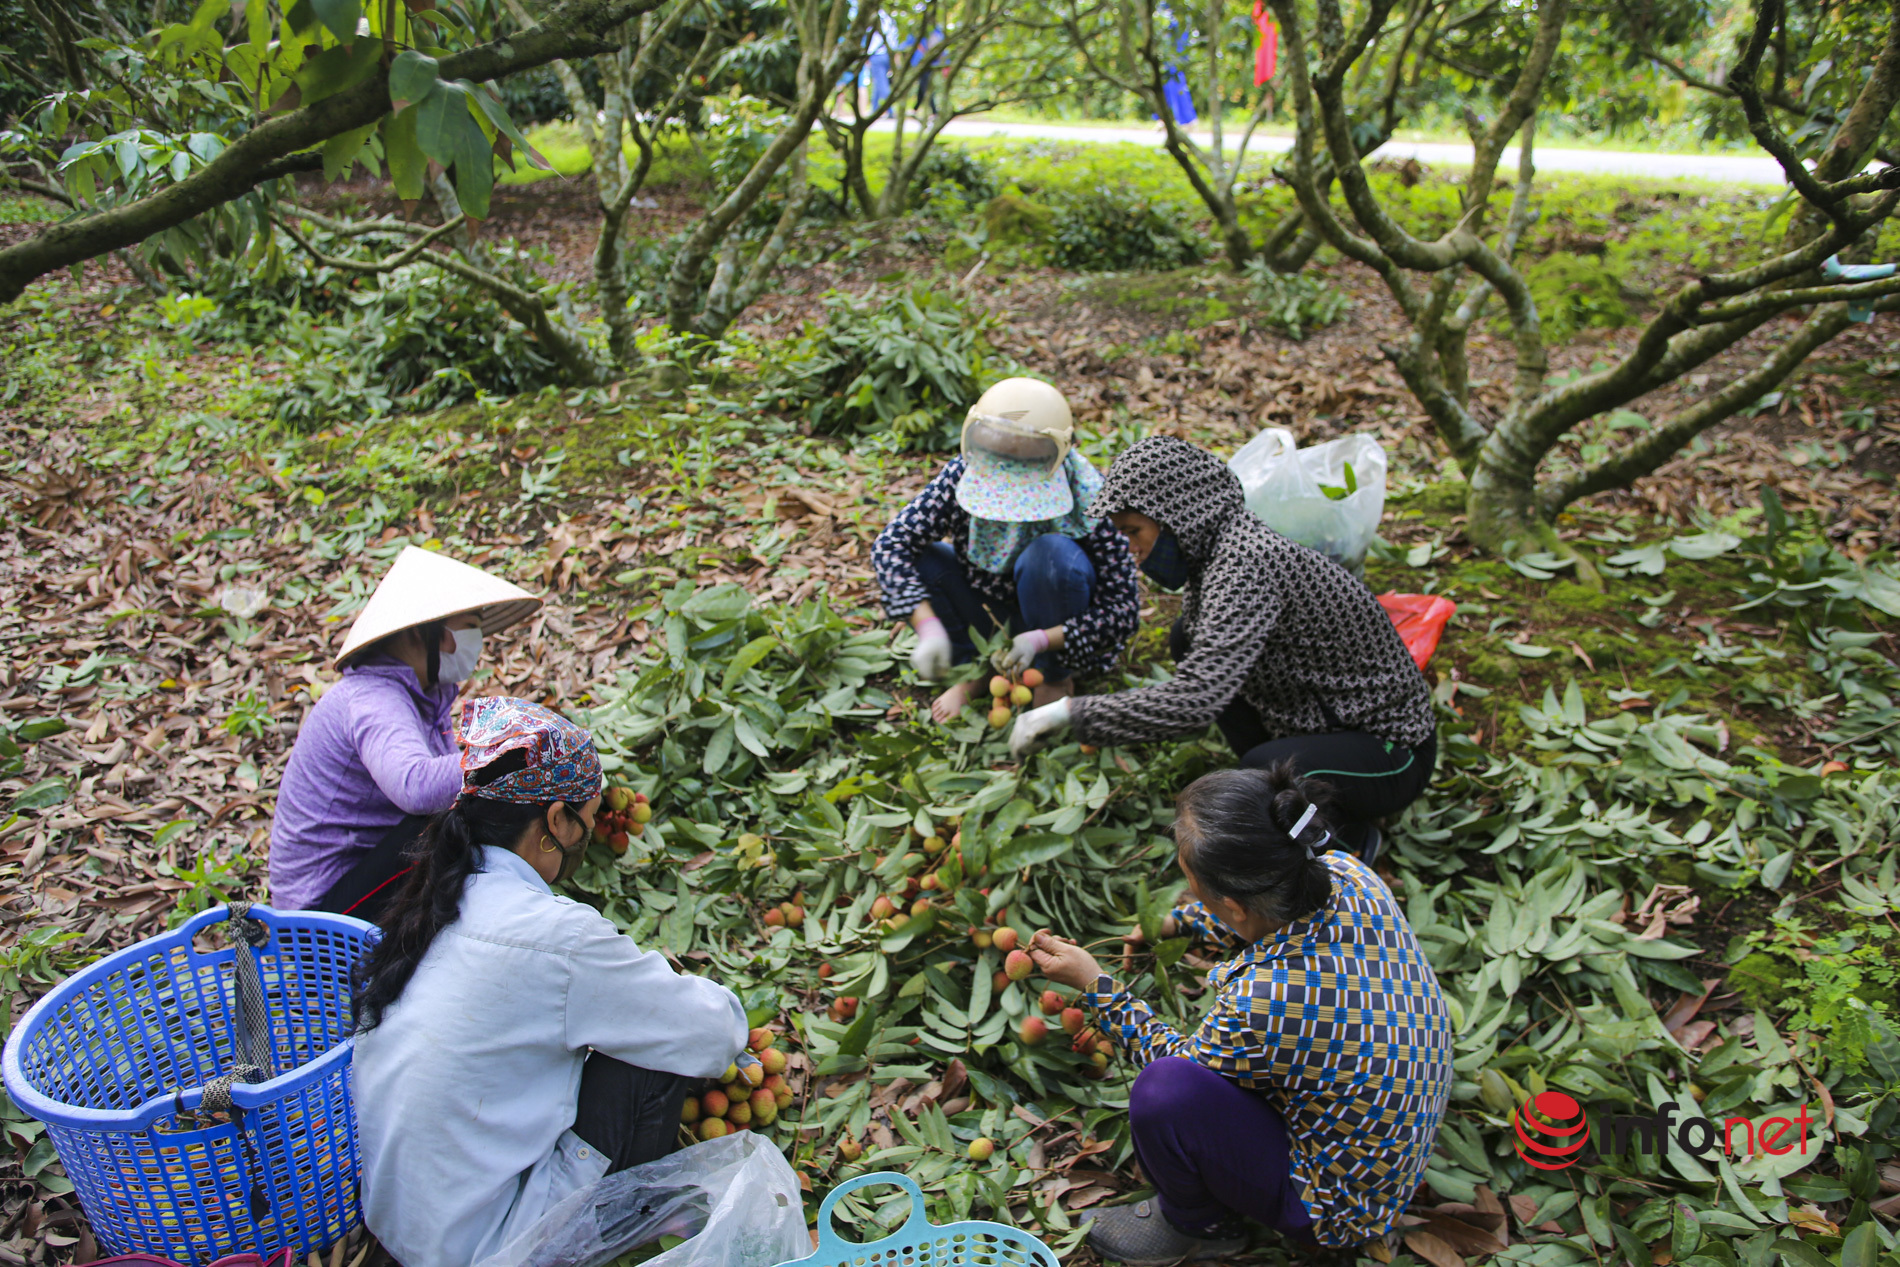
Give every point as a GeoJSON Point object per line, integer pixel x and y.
{"type": "Point", "coordinates": [1282, 484]}
{"type": "Point", "coordinates": [736, 1198]}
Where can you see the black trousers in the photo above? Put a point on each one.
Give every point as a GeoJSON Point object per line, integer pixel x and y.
{"type": "Point", "coordinates": [366, 888]}
{"type": "Point", "coordinates": [627, 1114]}
{"type": "Point", "coordinates": [1370, 778]}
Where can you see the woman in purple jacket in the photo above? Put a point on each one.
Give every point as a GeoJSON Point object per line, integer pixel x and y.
{"type": "Point", "coordinates": [375, 758]}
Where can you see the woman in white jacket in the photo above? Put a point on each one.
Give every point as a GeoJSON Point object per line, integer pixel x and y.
{"type": "Point", "coordinates": [513, 1046]}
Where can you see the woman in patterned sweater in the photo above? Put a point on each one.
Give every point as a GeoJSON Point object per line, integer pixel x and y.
{"type": "Point", "coordinates": [1002, 537]}
{"type": "Point", "coordinates": [1293, 657]}
{"type": "Point", "coordinates": [1309, 1097]}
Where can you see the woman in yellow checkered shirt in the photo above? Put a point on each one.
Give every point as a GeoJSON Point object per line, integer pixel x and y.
{"type": "Point", "coordinates": [1309, 1097]}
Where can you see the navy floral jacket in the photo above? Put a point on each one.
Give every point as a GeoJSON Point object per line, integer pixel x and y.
{"type": "Point", "coordinates": [1090, 642]}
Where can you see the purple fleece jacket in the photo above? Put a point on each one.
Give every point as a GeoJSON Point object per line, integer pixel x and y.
{"type": "Point", "coordinates": [376, 747]}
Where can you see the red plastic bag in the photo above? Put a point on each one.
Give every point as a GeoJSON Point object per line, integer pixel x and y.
{"type": "Point", "coordinates": [1420, 619]}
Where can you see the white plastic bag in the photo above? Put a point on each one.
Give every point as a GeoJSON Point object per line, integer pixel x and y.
{"type": "Point", "coordinates": [1282, 484]}
{"type": "Point", "coordinates": [735, 1197]}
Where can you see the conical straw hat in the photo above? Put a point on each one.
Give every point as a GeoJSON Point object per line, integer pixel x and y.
{"type": "Point", "coordinates": [422, 586]}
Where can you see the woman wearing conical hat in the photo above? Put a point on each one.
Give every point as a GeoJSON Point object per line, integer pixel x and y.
{"type": "Point", "coordinates": [376, 757]}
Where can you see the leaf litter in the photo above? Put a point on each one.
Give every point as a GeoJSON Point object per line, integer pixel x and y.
{"type": "Point", "coordinates": [168, 612]}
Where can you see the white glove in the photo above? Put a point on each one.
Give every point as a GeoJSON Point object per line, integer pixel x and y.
{"type": "Point", "coordinates": [1034, 728]}
{"type": "Point", "coordinates": [1022, 652]}
{"type": "Point", "coordinates": [931, 658]}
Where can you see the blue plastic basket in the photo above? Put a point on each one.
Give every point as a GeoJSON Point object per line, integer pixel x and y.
{"type": "Point", "coordinates": [115, 1062]}
{"type": "Point", "coordinates": [921, 1243]}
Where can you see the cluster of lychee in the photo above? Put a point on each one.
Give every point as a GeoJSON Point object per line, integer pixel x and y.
{"type": "Point", "coordinates": [893, 911]}
{"type": "Point", "coordinates": [1033, 1031]}
{"type": "Point", "coordinates": [624, 814]}
{"type": "Point", "coordinates": [747, 1096]}
{"type": "Point", "coordinates": [787, 914]}
{"type": "Point", "coordinates": [1005, 692]}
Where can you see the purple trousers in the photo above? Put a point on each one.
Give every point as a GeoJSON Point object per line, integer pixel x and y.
{"type": "Point", "coordinates": [1213, 1149]}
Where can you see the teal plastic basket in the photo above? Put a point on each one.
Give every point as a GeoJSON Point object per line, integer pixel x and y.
{"type": "Point", "coordinates": [921, 1243]}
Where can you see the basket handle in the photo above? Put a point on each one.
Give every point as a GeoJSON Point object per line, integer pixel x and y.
{"type": "Point", "coordinates": [830, 1241]}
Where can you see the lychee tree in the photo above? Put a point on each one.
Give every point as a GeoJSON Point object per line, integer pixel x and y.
{"type": "Point", "coordinates": [1520, 479]}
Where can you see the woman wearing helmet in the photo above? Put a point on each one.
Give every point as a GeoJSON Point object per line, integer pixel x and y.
{"type": "Point", "coordinates": [1292, 656]}
{"type": "Point", "coordinates": [374, 759]}
{"type": "Point", "coordinates": [1002, 537]}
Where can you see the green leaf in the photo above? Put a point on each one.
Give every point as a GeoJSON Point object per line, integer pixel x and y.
{"type": "Point", "coordinates": [1705, 545]}
{"type": "Point", "coordinates": [719, 747]}
{"type": "Point", "coordinates": [749, 655]}
{"type": "Point", "coordinates": [441, 118]}
{"type": "Point", "coordinates": [1796, 1253]}
{"type": "Point", "coordinates": [1029, 849]}
{"type": "Point", "coordinates": [1659, 949]}
{"type": "Point", "coordinates": [1527, 650]}
{"type": "Point", "coordinates": [1775, 873]}
{"type": "Point", "coordinates": [205, 15]}
{"type": "Point", "coordinates": [412, 76]}
{"type": "Point", "coordinates": [408, 166]}
{"type": "Point", "coordinates": [858, 1037]}
{"type": "Point", "coordinates": [45, 793]}
{"type": "Point", "coordinates": [474, 170]}
{"type": "Point", "coordinates": [170, 832]}
{"type": "Point", "coordinates": [498, 116]}
{"type": "Point", "coordinates": [336, 69]}
{"type": "Point", "coordinates": [1685, 1235]}
{"type": "Point", "coordinates": [44, 728]}
{"type": "Point", "coordinates": [340, 151]}
{"type": "Point", "coordinates": [1772, 513]}
{"type": "Point", "coordinates": [1861, 1247]}
{"type": "Point", "coordinates": [1647, 560]}
{"type": "Point", "coordinates": [341, 17]}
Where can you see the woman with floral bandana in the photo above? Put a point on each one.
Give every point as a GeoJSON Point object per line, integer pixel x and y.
{"type": "Point", "coordinates": [513, 1046]}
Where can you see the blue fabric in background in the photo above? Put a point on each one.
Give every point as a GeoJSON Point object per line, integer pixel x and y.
{"type": "Point", "coordinates": [1174, 90]}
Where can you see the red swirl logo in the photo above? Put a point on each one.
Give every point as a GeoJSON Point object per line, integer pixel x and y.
{"type": "Point", "coordinates": [1543, 1139]}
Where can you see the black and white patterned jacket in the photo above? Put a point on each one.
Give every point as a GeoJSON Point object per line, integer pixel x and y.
{"type": "Point", "coordinates": [1090, 642]}
{"type": "Point", "coordinates": [1268, 619]}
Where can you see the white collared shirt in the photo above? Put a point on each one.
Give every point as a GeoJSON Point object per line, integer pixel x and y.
{"type": "Point", "coordinates": [465, 1094]}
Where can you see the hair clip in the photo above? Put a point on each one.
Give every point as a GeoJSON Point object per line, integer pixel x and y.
{"type": "Point", "coordinates": [1313, 852]}
{"type": "Point", "coordinates": [1305, 818]}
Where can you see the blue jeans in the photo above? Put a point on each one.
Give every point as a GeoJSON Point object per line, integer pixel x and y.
{"type": "Point", "coordinates": [1054, 582]}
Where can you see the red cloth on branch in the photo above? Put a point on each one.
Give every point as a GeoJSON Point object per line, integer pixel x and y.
{"type": "Point", "coordinates": [1420, 619]}
{"type": "Point", "coordinates": [1266, 58]}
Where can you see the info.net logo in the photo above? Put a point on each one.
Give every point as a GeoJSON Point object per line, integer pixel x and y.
{"type": "Point", "coordinates": [1554, 1133]}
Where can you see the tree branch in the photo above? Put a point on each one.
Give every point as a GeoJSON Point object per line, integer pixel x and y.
{"type": "Point", "coordinates": [570, 29]}
{"type": "Point", "coordinates": [1642, 457]}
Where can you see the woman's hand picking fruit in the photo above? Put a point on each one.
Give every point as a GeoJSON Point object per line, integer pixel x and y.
{"type": "Point", "coordinates": [1024, 648]}
{"type": "Point", "coordinates": [1064, 962]}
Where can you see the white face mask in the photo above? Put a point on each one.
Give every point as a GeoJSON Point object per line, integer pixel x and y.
{"type": "Point", "coordinates": [458, 665]}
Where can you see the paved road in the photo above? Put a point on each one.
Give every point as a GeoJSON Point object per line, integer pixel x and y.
{"type": "Point", "coordinates": [1733, 169]}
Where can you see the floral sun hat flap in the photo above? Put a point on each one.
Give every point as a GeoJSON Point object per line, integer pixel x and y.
{"type": "Point", "coordinates": [1013, 473]}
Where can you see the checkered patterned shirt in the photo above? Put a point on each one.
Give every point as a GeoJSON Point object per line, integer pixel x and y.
{"type": "Point", "coordinates": [1339, 1022]}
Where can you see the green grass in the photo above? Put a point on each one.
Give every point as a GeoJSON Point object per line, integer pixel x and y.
{"type": "Point", "coordinates": [675, 161]}
{"type": "Point", "coordinates": [27, 209]}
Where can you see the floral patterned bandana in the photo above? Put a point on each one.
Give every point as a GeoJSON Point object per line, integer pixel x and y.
{"type": "Point", "coordinates": [562, 763]}
{"type": "Point", "coordinates": [995, 543]}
